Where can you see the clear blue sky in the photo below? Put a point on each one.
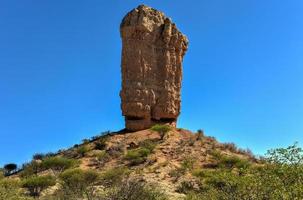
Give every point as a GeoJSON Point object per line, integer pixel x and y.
{"type": "Point", "coordinates": [60, 71]}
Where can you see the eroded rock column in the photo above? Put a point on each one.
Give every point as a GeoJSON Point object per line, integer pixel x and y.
{"type": "Point", "coordinates": [152, 54]}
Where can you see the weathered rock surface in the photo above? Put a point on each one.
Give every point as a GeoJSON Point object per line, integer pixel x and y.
{"type": "Point", "coordinates": [152, 55]}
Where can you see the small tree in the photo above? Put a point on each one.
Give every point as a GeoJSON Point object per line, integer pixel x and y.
{"type": "Point", "coordinates": [9, 168]}
{"type": "Point", "coordinates": [10, 190]}
{"type": "Point", "coordinates": [292, 155]}
{"type": "Point", "coordinates": [32, 168]}
{"type": "Point", "coordinates": [161, 129]}
{"type": "Point", "coordinates": [38, 156]}
{"type": "Point", "coordinates": [58, 164]}
{"type": "Point", "coordinates": [79, 182]}
{"type": "Point", "coordinates": [36, 184]}
{"type": "Point", "coordinates": [82, 150]}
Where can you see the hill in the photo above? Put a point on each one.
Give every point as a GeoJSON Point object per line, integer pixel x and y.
{"type": "Point", "coordinates": [162, 162]}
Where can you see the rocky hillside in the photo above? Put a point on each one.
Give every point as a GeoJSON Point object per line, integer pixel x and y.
{"type": "Point", "coordinates": [160, 163]}
{"type": "Point", "coordinates": [162, 156]}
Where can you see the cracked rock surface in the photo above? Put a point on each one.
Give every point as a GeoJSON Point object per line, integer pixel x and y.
{"type": "Point", "coordinates": [152, 54]}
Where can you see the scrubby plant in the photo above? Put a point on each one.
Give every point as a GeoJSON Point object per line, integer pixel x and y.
{"type": "Point", "coordinates": [38, 156]}
{"type": "Point", "coordinates": [9, 168]}
{"type": "Point", "coordinates": [58, 164]}
{"type": "Point", "coordinates": [102, 157]}
{"type": "Point", "coordinates": [135, 189]}
{"type": "Point", "coordinates": [230, 162]}
{"type": "Point", "coordinates": [281, 177]}
{"type": "Point", "coordinates": [114, 176]}
{"type": "Point", "coordinates": [82, 150]}
{"type": "Point", "coordinates": [78, 183]}
{"type": "Point", "coordinates": [36, 184]}
{"type": "Point", "coordinates": [148, 144]}
{"type": "Point", "coordinates": [200, 134]}
{"type": "Point", "coordinates": [10, 190]}
{"type": "Point", "coordinates": [230, 146]}
{"type": "Point", "coordinates": [32, 168]}
{"type": "Point", "coordinates": [161, 129]}
{"type": "Point", "coordinates": [1, 173]}
{"type": "Point", "coordinates": [188, 163]}
{"type": "Point", "coordinates": [85, 141]}
{"type": "Point", "coordinates": [100, 143]}
{"type": "Point", "coordinates": [137, 156]}
{"type": "Point", "coordinates": [292, 155]}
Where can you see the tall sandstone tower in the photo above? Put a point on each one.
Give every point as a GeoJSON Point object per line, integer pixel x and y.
{"type": "Point", "coordinates": [152, 55]}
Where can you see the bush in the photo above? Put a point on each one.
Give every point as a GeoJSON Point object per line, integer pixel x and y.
{"type": "Point", "coordinates": [82, 150]}
{"type": "Point", "coordinates": [10, 190]}
{"type": "Point", "coordinates": [102, 157]}
{"type": "Point", "coordinates": [134, 189]}
{"type": "Point", "coordinates": [79, 183]}
{"type": "Point", "coordinates": [9, 168]}
{"type": "Point", "coordinates": [200, 134]}
{"type": "Point", "coordinates": [161, 129]}
{"type": "Point", "coordinates": [148, 144]}
{"type": "Point", "coordinates": [230, 146]}
{"type": "Point", "coordinates": [38, 156]}
{"type": "Point", "coordinates": [280, 178]}
{"type": "Point", "coordinates": [32, 168]}
{"type": "Point", "coordinates": [58, 164]}
{"type": "Point", "coordinates": [137, 156]}
{"type": "Point", "coordinates": [188, 163]}
{"type": "Point", "coordinates": [114, 176]}
{"type": "Point", "coordinates": [100, 144]}
{"type": "Point", "coordinates": [292, 155]}
{"type": "Point", "coordinates": [230, 162]}
{"type": "Point", "coordinates": [36, 184]}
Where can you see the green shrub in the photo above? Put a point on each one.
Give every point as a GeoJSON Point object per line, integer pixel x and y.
{"type": "Point", "coordinates": [10, 190]}
{"type": "Point", "coordinates": [100, 144]}
{"type": "Point", "coordinates": [82, 150]}
{"type": "Point", "coordinates": [1, 173]}
{"type": "Point", "coordinates": [32, 168]}
{"type": "Point", "coordinates": [9, 168]}
{"type": "Point", "coordinates": [148, 144]}
{"type": "Point", "coordinates": [137, 156]}
{"type": "Point", "coordinates": [280, 178]}
{"type": "Point", "coordinates": [177, 173]}
{"type": "Point", "coordinates": [188, 163]}
{"type": "Point", "coordinates": [161, 129]}
{"type": "Point", "coordinates": [36, 184]}
{"type": "Point", "coordinates": [134, 189]}
{"type": "Point", "coordinates": [230, 162]}
{"type": "Point", "coordinates": [200, 134]}
{"type": "Point", "coordinates": [102, 157]}
{"type": "Point", "coordinates": [79, 183]}
{"type": "Point", "coordinates": [58, 164]}
{"type": "Point", "coordinates": [114, 176]}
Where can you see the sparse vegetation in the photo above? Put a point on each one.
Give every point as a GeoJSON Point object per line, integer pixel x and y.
{"type": "Point", "coordinates": [58, 164]}
{"type": "Point", "coordinates": [82, 150]}
{"type": "Point", "coordinates": [218, 172]}
{"type": "Point", "coordinates": [279, 178]}
{"type": "Point", "coordinates": [30, 169]}
{"type": "Point", "coordinates": [100, 144]}
{"type": "Point", "coordinates": [36, 184]}
{"type": "Point", "coordinates": [134, 189]}
{"type": "Point", "coordinates": [78, 183]}
{"type": "Point", "coordinates": [161, 129]}
{"type": "Point", "coordinates": [137, 156]}
{"type": "Point", "coordinates": [188, 163]}
{"type": "Point", "coordinates": [9, 168]}
{"type": "Point", "coordinates": [114, 176]}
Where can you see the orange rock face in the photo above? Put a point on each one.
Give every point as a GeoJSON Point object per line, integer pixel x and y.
{"type": "Point", "coordinates": [152, 55]}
